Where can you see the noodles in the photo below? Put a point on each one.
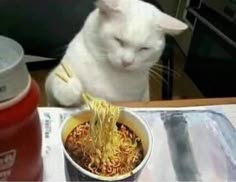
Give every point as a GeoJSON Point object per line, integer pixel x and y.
{"type": "Point", "coordinates": [103, 127]}
{"type": "Point", "coordinates": [102, 145]}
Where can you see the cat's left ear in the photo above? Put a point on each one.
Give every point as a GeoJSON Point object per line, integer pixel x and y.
{"type": "Point", "coordinates": [108, 8]}
{"type": "Point", "coordinates": [171, 25]}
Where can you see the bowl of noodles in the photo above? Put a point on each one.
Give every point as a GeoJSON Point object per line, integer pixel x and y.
{"type": "Point", "coordinates": [105, 143]}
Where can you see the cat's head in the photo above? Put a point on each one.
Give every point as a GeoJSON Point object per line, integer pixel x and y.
{"type": "Point", "coordinates": [132, 32]}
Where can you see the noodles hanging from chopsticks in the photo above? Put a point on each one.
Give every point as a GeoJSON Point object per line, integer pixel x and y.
{"type": "Point", "coordinates": [103, 129]}
{"type": "Point", "coordinates": [102, 145]}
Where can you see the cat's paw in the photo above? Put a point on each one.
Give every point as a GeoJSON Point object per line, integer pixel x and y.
{"type": "Point", "coordinates": [69, 93]}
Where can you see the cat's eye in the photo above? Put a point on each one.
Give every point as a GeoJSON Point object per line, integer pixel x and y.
{"type": "Point", "coordinates": [144, 48]}
{"type": "Point", "coordinates": [121, 42]}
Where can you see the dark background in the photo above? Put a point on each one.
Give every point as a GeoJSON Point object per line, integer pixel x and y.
{"type": "Point", "coordinates": [44, 27]}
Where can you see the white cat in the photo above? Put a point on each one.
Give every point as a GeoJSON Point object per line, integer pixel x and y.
{"type": "Point", "coordinates": [112, 54]}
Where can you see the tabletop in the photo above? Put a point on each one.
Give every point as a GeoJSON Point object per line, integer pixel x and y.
{"type": "Point", "coordinates": [182, 102]}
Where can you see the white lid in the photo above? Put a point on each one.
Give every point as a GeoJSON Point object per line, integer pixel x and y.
{"type": "Point", "coordinates": [14, 76]}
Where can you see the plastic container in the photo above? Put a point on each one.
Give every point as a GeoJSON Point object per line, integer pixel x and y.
{"type": "Point", "coordinates": [75, 172]}
{"type": "Point", "coordinates": [20, 129]}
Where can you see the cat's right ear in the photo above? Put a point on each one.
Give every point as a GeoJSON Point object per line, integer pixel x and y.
{"type": "Point", "coordinates": [108, 8]}
{"type": "Point", "coordinates": [171, 25]}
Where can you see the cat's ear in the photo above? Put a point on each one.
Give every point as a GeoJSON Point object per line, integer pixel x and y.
{"type": "Point", "coordinates": [108, 8]}
{"type": "Point", "coordinates": [171, 25]}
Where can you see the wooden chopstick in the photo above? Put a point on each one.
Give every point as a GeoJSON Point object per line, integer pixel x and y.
{"type": "Point", "coordinates": [62, 76]}
{"type": "Point", "coordinates": [67, 70]}
{"type": "Point", "coordinates": [66, 74]}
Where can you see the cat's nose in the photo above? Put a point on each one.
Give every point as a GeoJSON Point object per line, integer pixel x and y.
{"type": "Point", "coordinates": [127, 63]}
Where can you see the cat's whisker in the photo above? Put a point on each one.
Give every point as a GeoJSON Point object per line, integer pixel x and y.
{"type": "Point", "coordinates": [153, 77]}
{"type": "Point", "coordinates": [164, 68]}
{"type": "Point", "coordinates": [102, 57]}
{"type": "Point", "coordinates": [160, 70]}
{"type": "Point", "coordinates": [158, 75]}
{"type": "Point", "coordinates": [157, 69]}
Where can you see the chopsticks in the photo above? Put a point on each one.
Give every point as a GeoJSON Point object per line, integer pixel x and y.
{"type": "Point", "coordinates": [66, 72]}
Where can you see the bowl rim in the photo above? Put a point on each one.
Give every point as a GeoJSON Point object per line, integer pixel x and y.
{"type": "Point", "coordinates": [110, 178]}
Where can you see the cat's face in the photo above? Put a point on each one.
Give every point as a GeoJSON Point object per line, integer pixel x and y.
{"type": "Point", "coordinates": [129, 33]}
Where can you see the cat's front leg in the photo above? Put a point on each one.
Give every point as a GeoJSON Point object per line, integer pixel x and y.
{"type": "Point", "coordinates": [63, 90]}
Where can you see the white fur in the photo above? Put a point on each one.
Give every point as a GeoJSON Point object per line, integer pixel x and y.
{"type": "Point", "coordinates": [106, 67]}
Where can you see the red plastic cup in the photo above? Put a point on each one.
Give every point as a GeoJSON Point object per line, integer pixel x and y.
{"type": "Point", "coordinates": [20, 129]}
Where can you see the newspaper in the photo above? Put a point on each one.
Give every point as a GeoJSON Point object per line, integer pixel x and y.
{"type": "Point", "coordinates": [190, 144]}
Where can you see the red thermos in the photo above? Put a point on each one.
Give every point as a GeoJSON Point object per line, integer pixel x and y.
{"type": "Point", "coordinates": [20, 129]}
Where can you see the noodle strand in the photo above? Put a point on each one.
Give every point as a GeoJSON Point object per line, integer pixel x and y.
{"type": "Point", "coordinates": [105, 149]}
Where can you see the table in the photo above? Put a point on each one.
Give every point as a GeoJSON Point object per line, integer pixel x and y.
{"type": "Point", "coordinates": [230, 110]}
{"type": "Point", "coordinates": [181, 103]}
{"type": "Point", "coordinates": [160, 134]}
